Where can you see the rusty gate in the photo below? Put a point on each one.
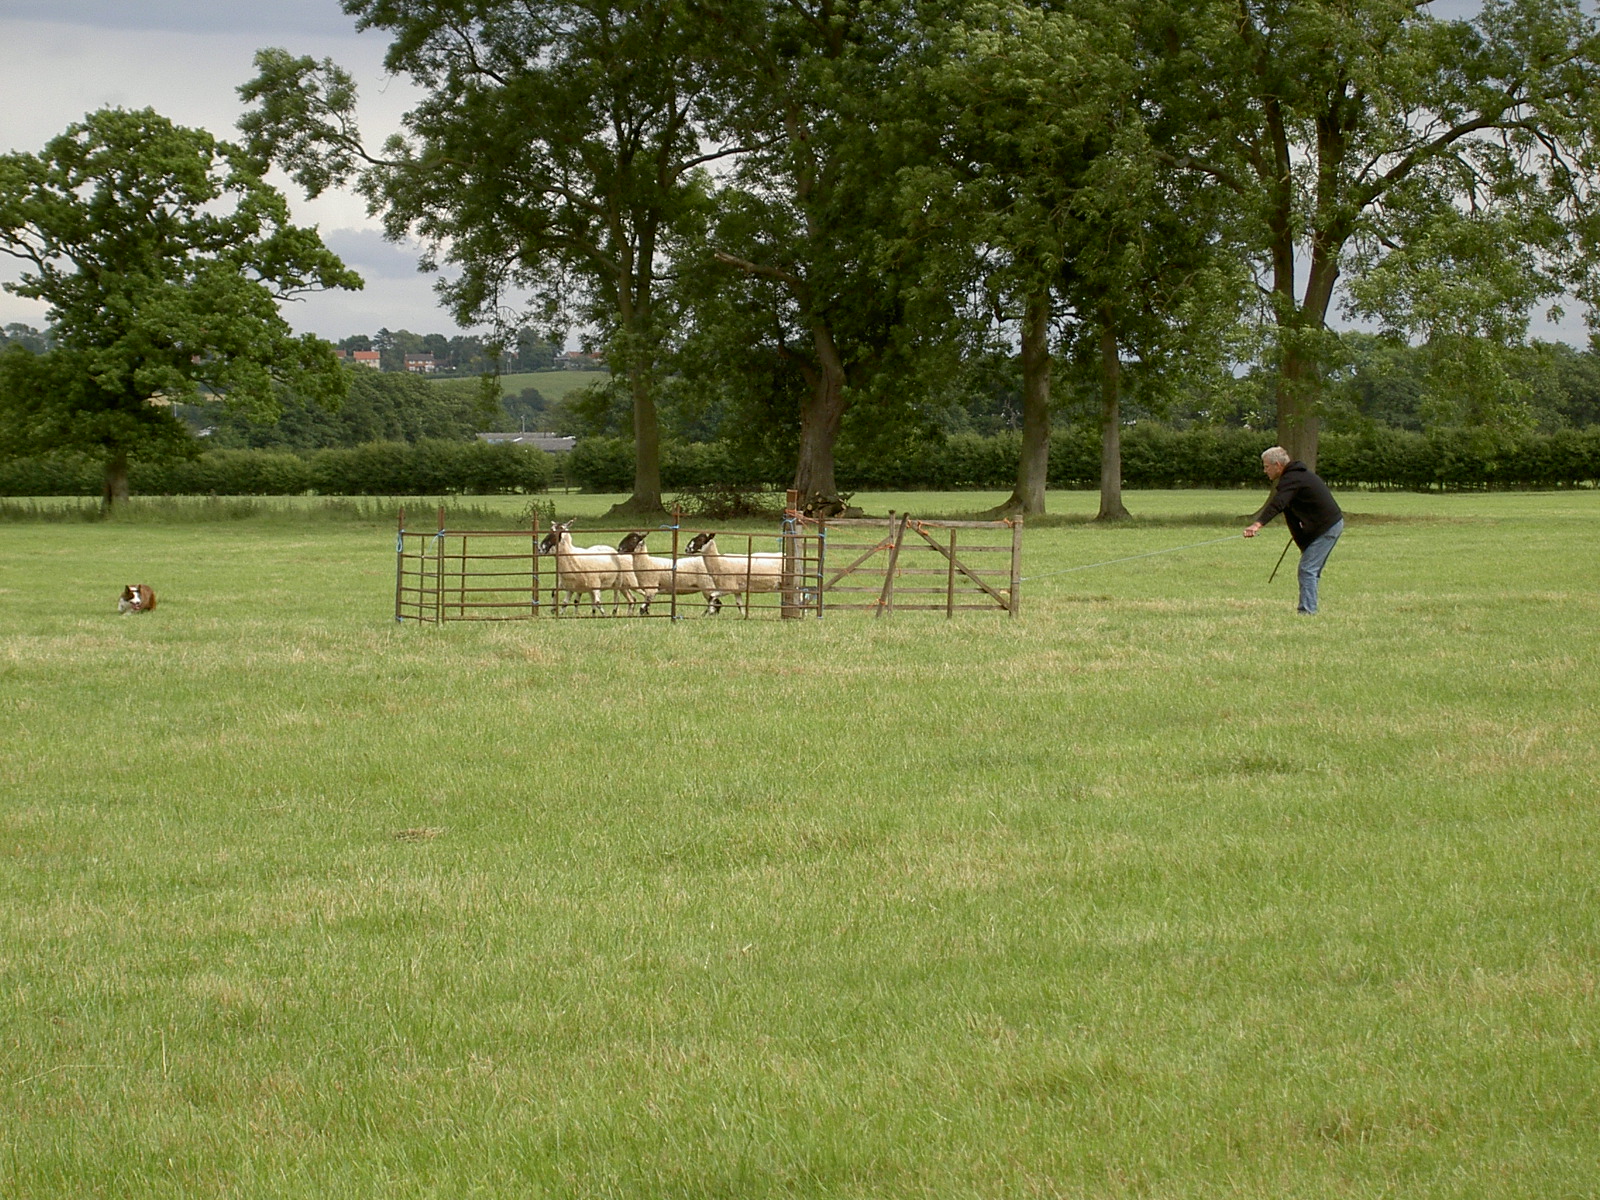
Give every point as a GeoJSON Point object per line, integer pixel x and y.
{"type": "Point", "coordinates": [943, 566]}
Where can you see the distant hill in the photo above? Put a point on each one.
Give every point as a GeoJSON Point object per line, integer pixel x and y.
{"type": "Point", "coordinates": [552, 385]}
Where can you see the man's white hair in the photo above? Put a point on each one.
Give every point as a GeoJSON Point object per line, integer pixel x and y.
{"type": "Point", "coordinates": [1276, 455]}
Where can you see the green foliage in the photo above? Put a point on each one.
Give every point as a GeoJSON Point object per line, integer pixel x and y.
{"type": "Point", "coordinates": [429, 467]}
{"type": "Point", "coordinates": [425, 467]}
{"type": "Point", "coordinates": [1434, 168]}
{"type": "Point", "coordinates": [26, 336]}
{"type": "Point", "coordinates": [381, 406]}
{"type": "Point", "coordinates": [1153, 456]}
{"type": "Point", "coordinates": [555, 151]}
{"type": "Point", "coordinates": [162, 254]}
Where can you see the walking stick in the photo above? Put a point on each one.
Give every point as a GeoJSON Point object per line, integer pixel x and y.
{"type": "Point", "coordinates": [1281, 557]}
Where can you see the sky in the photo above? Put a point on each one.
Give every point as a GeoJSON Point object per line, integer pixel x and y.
{"type": "Point", "coordinates": [186, 58]}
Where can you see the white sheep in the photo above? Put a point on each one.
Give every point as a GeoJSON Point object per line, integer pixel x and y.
{"type": "Point", "coordinates": [654, 575]}
{"type": "Point", "coordinates": [737, 575]}
{"type": "Point", "coordinates": [590, 569]}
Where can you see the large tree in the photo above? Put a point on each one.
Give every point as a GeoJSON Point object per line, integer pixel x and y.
{"type": "Point", "coordinates": [1443, 169]}
{"type": "Point", "coordinates": [809, 299]}
{"type": "Point", "coordinates": [1048, 186]}
{"type": "Point", "coordinates": [555, 149]}
{"type": "Point", "coordinates": [163, 257]}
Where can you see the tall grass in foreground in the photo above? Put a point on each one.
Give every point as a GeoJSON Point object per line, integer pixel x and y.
{"type": "Point", "coordinates": [1157, 891]}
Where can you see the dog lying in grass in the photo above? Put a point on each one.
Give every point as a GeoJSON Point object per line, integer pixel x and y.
{"type": "Point", "coordinates": [136, 597]}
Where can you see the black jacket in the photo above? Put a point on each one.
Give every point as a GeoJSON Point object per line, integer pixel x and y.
{"type": "Point", "coordinates": [1308, 507]}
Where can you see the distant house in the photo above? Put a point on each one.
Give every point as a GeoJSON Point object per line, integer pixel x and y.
{"type": "Point", "coordinates": [552, 442]}
{"type": "Point", "coordinates": [361, 358]}
{"type": "Point", "coordinates": [421, 364]}
{"type": "Point", "coordinates": [577, 360]}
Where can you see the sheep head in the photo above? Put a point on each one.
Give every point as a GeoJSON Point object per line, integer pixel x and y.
{"type": "Point", "coordinates": [552, 540]}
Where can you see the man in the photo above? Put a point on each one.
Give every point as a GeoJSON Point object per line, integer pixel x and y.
{"type": "Point", "coordinates": [1309, 509]}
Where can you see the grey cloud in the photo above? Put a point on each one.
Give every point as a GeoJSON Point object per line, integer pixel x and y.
{"type": "Point", "coordinates": [321, 18]}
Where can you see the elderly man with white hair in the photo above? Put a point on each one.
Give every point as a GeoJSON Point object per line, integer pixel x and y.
{"type": "Point", "coordinates": [1309, 509]}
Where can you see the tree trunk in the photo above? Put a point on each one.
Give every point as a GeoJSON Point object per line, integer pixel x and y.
{"type": "Point", "coordinates": [115, 488]}
{"type": "Point", "coordinates": [1033, 469]}
{"type": "Point", "coordinates": [1111, 506]}
{"type": "Point", "coordinates": [821, 415]}
{"type": "Point", "coordinates": [635, 353]}
{"type": "Point", "coordinates": [1298, 424]}
{"type": "Point", "coordinates": [1301, 326]}
{"type": "Point", "coordinates": [646, 498]}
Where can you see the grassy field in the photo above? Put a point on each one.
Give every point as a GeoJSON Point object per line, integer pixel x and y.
{"type": "Point", "coordinates": [1157, 891]}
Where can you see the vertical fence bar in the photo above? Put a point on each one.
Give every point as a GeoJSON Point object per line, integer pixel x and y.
{"type": "Point", "coordinates": [789, 609]}
{"type": "Point", "coordinates": [533, 562]}
{"type": "Point", "coordinates": [399, 565]}
{"type": "Point", "coordinates": [950, 581]}
{"type": "Point", "coordinates": [822, 565]}
{"type": "Point", "coordinates": [438, 570]}
{"type": "Point", "coordinates": [677, 527]}
{"type": "Point", "coordinates": [1016, 567]}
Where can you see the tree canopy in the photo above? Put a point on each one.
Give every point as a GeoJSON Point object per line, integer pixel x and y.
{"type": "Point", "coordinates": [1444, 169]}
{"type": "Point", "coordinates": [163, 256]}
{"type": "Point", "coordinates": [554, 152]}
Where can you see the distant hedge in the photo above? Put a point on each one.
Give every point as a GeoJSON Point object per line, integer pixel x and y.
{"type": "Point", "coordinates": [1153, 456]}
{"type": "Point", "coordinates": [428, 467]}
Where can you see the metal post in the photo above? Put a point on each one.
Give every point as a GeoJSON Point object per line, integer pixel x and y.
{"type": "Point", "coordinates": [400, 566]}
{"type": "Point", "coordinates": [438, 571]}
{"type": "Point", "coordinates": [533, 562]}
{"type": "Point", "coordinates": [950, 581]}
{"type": "Point", "coordinates": [822, 563]}
{"type": "Point", "coordinates": [677, 524]}
{"type": "Point", "coordinates": [791, 551]}
{"type": "Point", "coordinates": [1015, 606]}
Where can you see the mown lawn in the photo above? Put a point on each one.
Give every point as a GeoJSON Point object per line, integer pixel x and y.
{"type": "Point", "coordinates": [1156, 891]}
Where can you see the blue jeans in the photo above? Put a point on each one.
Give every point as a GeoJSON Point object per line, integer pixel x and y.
{"type": "Point", "coordinates": [1312, 560]}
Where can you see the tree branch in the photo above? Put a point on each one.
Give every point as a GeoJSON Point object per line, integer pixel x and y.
{"type": "Point", "coordinates": [751, 268]}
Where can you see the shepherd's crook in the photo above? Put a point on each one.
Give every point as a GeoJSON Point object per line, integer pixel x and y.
{"type": "Point", "coordinates": [1281, 557]}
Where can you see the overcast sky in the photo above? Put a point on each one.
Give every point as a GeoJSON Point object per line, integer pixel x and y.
{"type": "Point", "coordinates": [186, 58]}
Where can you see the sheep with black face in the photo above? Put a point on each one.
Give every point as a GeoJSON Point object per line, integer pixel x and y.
{"type": "Point", "coordinates": [587, 569]}
{"type": "Point", "coordinates": [738, 575]}
{"type": "Point", "coordinates": [654, 575]}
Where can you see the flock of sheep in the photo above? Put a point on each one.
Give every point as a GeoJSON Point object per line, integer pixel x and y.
{"type": "Point", "coordinates": [635, 577]}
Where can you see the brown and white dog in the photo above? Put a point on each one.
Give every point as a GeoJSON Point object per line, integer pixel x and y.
{"type": "Point", "coordinates": [136, 597]}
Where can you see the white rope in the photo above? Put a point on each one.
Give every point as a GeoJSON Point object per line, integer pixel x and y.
{"type": "Point", "coordinates": [1108, 562]}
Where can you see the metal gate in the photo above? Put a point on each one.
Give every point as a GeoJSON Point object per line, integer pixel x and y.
{"type": "Point", "coordinates": [944, 566]}
{"type": "Point", "coordinates": [446, 574]}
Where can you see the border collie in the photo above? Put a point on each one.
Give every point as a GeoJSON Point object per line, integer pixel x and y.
{"type": "Point", "coordinates": [136, 597]}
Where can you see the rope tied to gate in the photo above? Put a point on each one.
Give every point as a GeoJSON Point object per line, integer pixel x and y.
{"type": "Point", "coordinates": [1131, 557]}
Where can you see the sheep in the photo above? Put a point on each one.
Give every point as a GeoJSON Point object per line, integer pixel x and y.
{"type": "Point", "coordinates": [591, 569]}
{"type": "Point", "coordinates": [738, 574]}
{"type": "Point", "coordinates": [675, 577]}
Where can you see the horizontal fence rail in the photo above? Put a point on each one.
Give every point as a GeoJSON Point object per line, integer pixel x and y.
{"type": "Point", "coordinates": [805, 569]}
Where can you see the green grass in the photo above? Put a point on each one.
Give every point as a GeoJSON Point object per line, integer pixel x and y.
{"type": "Point", "coordinates": [1156, 891]}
